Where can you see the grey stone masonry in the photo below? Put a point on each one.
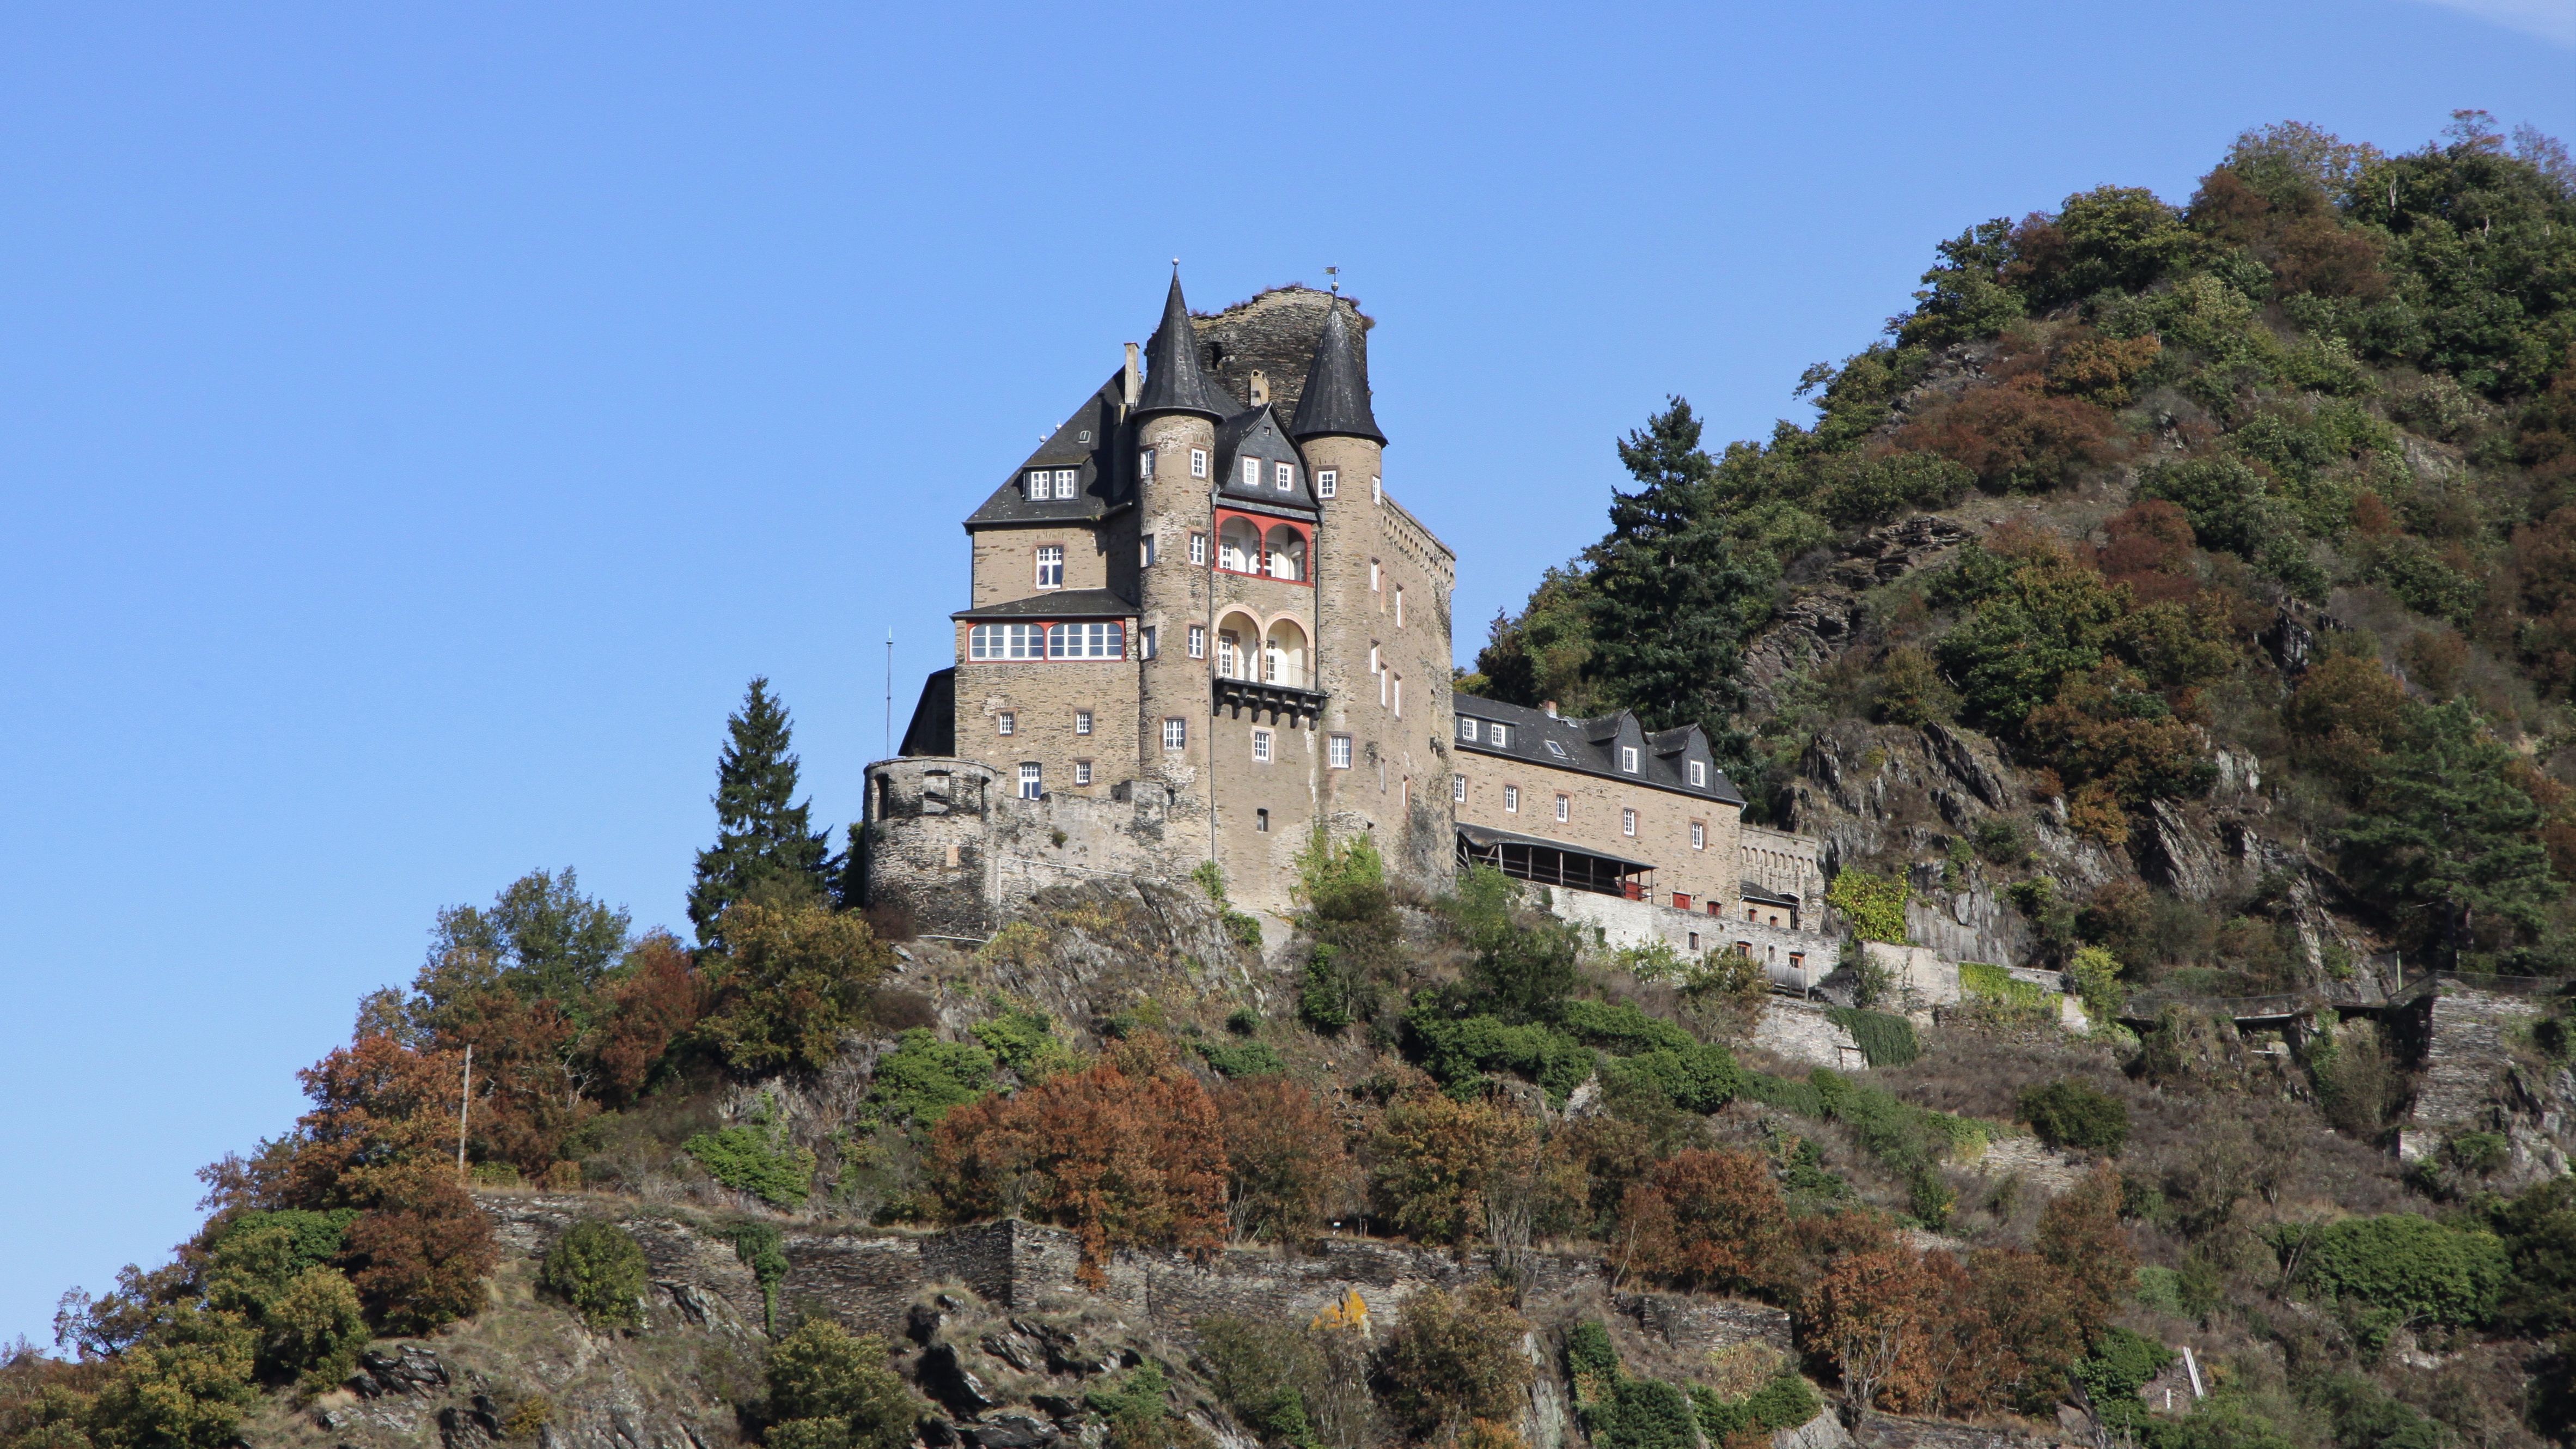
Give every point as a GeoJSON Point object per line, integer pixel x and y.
{"type": "Point", "coordinates": [2463, 1050]}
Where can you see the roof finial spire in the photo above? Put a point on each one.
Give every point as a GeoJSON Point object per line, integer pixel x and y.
{"type": "Point", "coordinates": [1176, 269]}
{"type": "Point", "coordinates": [1336, 274]}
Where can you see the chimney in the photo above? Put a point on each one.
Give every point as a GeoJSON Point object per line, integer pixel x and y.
{"type": "Point", "coordinates": [1127, 381]}
{"type": "Point", "coordinates": [1550, 707]}
{"type": "Point", "coordinates": [1260, 387]}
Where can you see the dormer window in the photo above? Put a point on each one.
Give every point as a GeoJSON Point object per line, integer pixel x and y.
{"type": "Point", "coordinates": [1066, 480]}
{"type": "Point", "coordinates": [1628, 758]}
{"type": "Point", "coordinates": [1198, 462]}
{"type": "Point", "coordinates": [1285, 475]}
{"type": "Point", "coordinates": [1467, 728]}
{"type": "Point", "coordinates": [1699, 774]}
{"type": "Point", "coordinates": [1041, 485]}
{"type": "Point", "coordinates": [1252, 472]}
{"type": "Point", "coordinates": [1500, 734]}
{"type": "Point", "coordinates": [1326, 481]}
{"type": "Point", "coordinates": [1051, 566]}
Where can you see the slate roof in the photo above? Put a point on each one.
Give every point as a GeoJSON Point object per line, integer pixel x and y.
{"type": "Point", "coordinates": [1487, 835]}
{"type": "Point", "coordinates": [1055, 604]}
{"type": "Point", "coordinates": [1257, 434]}
{"type": "Point", "coordinates": [1335, 399]}
{"type": "Point", "coordinates": [1084, 442]}
{"type": "Point", "coordinates": [1591, 746]}
{"type": "Point", "coordinates": [1176, 379]}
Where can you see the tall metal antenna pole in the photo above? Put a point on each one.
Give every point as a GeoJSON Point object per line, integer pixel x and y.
{"type": "Point", "coordinates": [464, 1104]}
{"type": "Point", "coordinates": [889, 754]}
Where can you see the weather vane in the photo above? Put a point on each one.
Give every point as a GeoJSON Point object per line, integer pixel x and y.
{"type": "Point", "coordinates": [1336, 274]}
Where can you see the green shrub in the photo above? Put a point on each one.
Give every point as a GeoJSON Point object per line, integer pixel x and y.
{"type": "Point", "coordinates": [2407, 1267]}
{"type": "Point", "coordinates": [273, 1270]}
{"type": "Point", "coordinates": [1264, 1371]}
{"type": "Point", "coordinates": [1622, 1029]}
{"type": "Point", "coordinates": [1591, 1363]}
{"type": "Point", "coordinates": [2069, 1113]}
{"type": "Point", "coordinates": [2160, 1289]}
{"type": "Point", "coordinates": [312, 1332]}
{"type": "Point", "coordinates": [1784, 1403]}
{"type": "Point", "coordinates": [2007, 996]}
{"type": "Point", "coordinates": [1886, 1039]}
{"type": "Point", "coordinates": [822, 1376]}
{"type": "Point", "coordinates": [1241, 1058]}
{"type": "Point", "coordinates": [1874, 905]}
{"type": "Point", "coordinates": [1643, 1414]}
{"type": "Point", "coordinates": [1243, 1021]}
{"type": "Point", "coordinates": [763, 1250]}
{"type": "Point", "coordinates": [1701, 1078]}
{"type": "Point", "coordinates": [1457, 1051]}
{"type": "Point", "coordinates": [2539, 1231]}
{"type": "Point", "coordinates": [2097, 983]}
{"type": "Point", "coordinates": [2119, 1365]}
{"type": "Point", "coordinates": [1785, 1093]}
{"type": "Point", "coordinates": [924, 1077]}
{"type": "Point", "coordinates": [598, 1268]}
{"type": "Point", "coordinates": [755, 1157]}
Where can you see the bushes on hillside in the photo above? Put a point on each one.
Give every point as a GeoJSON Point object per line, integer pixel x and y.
{"type": "Point", "coordinates": [829, 1389]}
{"type": "Point", "coordinates": [2071, 1113]}
{"type": "Point", "coordinates": [1455, 1357]}
{"type": "Point", "coordinates": [789, 983]}
{"type": "Point", "coordinates": [2403, 1267]}
{"type": "Point", "coordinates": [598, 1269]}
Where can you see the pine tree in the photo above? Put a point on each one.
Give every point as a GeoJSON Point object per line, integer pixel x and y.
{"type": "Point", "coordinates": [765, 845]}
{"type": "Point", "coordinates": [2448, 842]}
{"type": "Point", "coordinates": [1674, 598]}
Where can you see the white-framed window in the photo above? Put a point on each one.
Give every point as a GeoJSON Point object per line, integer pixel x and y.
{"type": "Point", "coordinates": [1261, 822]}
{"type": "Point", "coordinates": [1198, 641]}
{"type": "Point", "coordinates": [1466, 728]}
{"type": "Point", "coordinates": [1699, 774]}
{"type": "Point", "coordinates": [1499, 733]}
{"type": "Point", "coordinates": [1082, 772]}
{"type": "Point", "coordinates": [1699, 835]}
{"type": "Point", "coordinates": [1145, 463]}
{"type": "Point", "coordinates": [1252, 472]}
{"type": "Point", "coordinates": [1556, 748]}
{"type": "Point", "coordinates": [1261, 747]}
{"type": "Point", "coordinates": [1564, 809]}
{"type": "Point", "coordinates": [1512, 799]}
{"type": "Point", "coordinates": [1198, 462]}
{"type": "Point", "coordinates": [1006, 641]}
{"type": "Point", "coordinates": [1458, 788]}
{"type": "Point", "coordinates": [1377, 492]}
{"type": "Point", "coordinates": [1066, 481]}
{"type": "Point", "coordinates": [1041, 485]}
{"type": "Point", "coordinates": [1198, 550]}
{"type": "Point", "coordinates": [1176, 734]}
{"type": "Point", "coordinates": [1145, 551]}
{"type": "Point", "coordinates": [1337, 752]}
{"type": "Point", "coordinates": [1285, 476]}
{"type": "Point", "coordinates": [1628, 758]}
{"type": "Point", "coordinates": [1095, 640]}
{"type": "Point", "coordinates": [1229, 650]}
{"type": "Point", "coordinates": [1381, 691]}
{"type": "Point", "coordinates": [1376, 580]}
{"type": "Point", "coordinates": [1144, 641]}
{"type": "Point", "coordinates": [1081, 722]}
{"type": "Point", "coordinates": [1399, 696]}
{"type": "Point", "coordinates": [1032, 780]}
{"type": "Point", "coordinates": [1006, 723]}
{"type": "Point", "coordinates": [1627, 822]}
{"type": "Point", "coordinates": [1376, 668]}
{"type": "Point", "coordinates": [1050, 565]}
{"type": "Point", "coordinates": [1327, 480]}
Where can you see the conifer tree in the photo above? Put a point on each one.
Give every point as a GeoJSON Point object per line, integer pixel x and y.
{"type": "Point", "coordinates": [765, 845]}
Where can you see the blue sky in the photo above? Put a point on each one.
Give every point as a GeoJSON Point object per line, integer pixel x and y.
{"type": "Point", "coordinates": [417, 423]}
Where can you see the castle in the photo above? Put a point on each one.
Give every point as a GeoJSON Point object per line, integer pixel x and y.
{"type": "Point", "coordinates": [1199, 625]}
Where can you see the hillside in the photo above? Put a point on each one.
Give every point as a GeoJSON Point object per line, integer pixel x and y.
{"type": "Point", "coordinates": [2169, 626]}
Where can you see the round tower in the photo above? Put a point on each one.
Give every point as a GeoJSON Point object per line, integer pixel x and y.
{"type": "Point", "coordinates": [1174, 427]}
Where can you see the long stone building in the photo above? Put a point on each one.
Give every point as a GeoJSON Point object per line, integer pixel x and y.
{"type": "Point", "coordinates": [1198, 625]}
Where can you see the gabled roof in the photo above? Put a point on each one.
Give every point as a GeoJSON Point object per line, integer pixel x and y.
{"type": "Point", "coordinates": [1591, 746]}
{"type": "Point", "coordinates": [1257, 433]}
{"type": "Point", "coordinates": [1176, 379]}
{"type": "Point", "coordinates": [1335, 399]}
{"type": "Point", "coordinates": [1083, 443]}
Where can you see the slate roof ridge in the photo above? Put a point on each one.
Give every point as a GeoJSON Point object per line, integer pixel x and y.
{"type": "Point", "coordinates": [1589, 749]}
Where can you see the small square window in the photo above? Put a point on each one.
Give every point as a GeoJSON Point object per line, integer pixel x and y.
{"type": "Point", "coordinates": [1564, 809]}
{"type": "Point", "coordinates": [1198, 550]}
{"type": "Point", "coordinates": [1082, 721]}
{"type": "Point", "coordinates": [1145, 463]}
{"type": "Point", "coordinates": [1261, 747]}
{"type": "Point", "coordinates": [1458, 788]}
{"type": "Point", "coordinates": [1007, 723]}
{"type": "Point", "coordinates": [1051, 566]}
{"type": "Point", "coordinates": [1627, 822]}
{"type": "Point", "coordinates": [1326, 481]}
{"type": "Point", "coordinates": [1285, 476]}
{"type": "Point", "coordinates": [1699, 774]}
{"type": "Point", "coordinates": [1512, 799]}
{"type": "Point", "coordinates": [1337, 752]}
{"type": "Point", "coordinates": [1628, 758]}
{"type": "Point", "coordinates": [1198, 462]}
{"type": "Point", "coordinates": [1699, 835]}
{"type": "Point", "coordinates": [1082, 772]}
{"type": "Point", "coordinates": [1252, 472]}
{"type": "Point", "coordinates": [1500, 734]}
{"type": "Point", "coordinates": [1066, 479]}
{"type": "Point", "coordinates": [1466, 728]}
{"type": "Point", "coordinates": [1032, 782]}
{"type": "Point", "coordinates": [1176, 734]}
{"type": "Point", "coordinates": [1198, 641]}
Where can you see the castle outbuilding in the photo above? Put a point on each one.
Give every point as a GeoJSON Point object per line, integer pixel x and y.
{"type": "Point", "coordinates": [1199, 625]}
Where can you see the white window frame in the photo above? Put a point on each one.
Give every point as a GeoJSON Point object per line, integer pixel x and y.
{"type": "Point", "coordinates": [1699, 835]}
{"type": "Point", "coordinates": [1041, 485]}
{"type": "Point", "coordinates": [1628, 758]}
{"type": "Point", "coordinates": [1564, 809]}
{"type": "Point", "coordinates": [1032, 780]}
{"type": "Point", "coordinates": [1499, 734]}
{"type": "Point", "coordinates": [1145, 642]}
{"type": "Point", "coordinates": [1377, 580]}
{"type": "Point", "coordinates": [1082, 721]}
{"type": "Point", "coordinates": [1176, 733]}
{"type": "Point", "coordinates": [1511, 799]}
{"type": "Point", "coordinates": [1145, 464]}
{"type": "Point", "coordinates": [1006, 722]}
{"type": "Point", "coordinates": [1337, 752]}
{"type": "Point", "coordinates": [1377, 492]}
{"type": "Point", "coordinates": [1374, 668]}
{"type": "Point", "coordinates": [1261, 747]}
{"type": "Point", "coordinates": [1252, 472]}
{"type": "Point", "coordinates": [1399, 606]}
{"type": "Point", "coordinates": [1458, 789]}
{"type": "Point", "coordinates": [1198, 641]}
{"type": "Point", "coordinates": [1082, 772]}
{"type": "Point", "coordinates": [1327, 480]}
{"type": "Point", "coordinates": [1198, 462]}
{"type": "Point", "coordinates": [1627, 822]}
{"type": "Point", "coordinates": [1198, 550]}
{"type": "Point", "coordinates": [1467, 728]}
{"type": "Point", "coordinates": [1068, 482]}
{"type": "Point", "coordinates": [1699, 774]}
{"type": "Point", "coordinates": [1050, 565]}
{"type": "Point", "coordinates": [1285, 476]}
{"type": "Point", "coordinates": [1398, 708]}
{"type": "Point", "coordinates": [1145, 551]}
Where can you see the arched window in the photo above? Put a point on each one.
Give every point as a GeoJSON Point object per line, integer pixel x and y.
{"type": "Point", "coordinates": [1284, 553]}
{"type": "Point", "coordinates": [1238, 642]}
{"type": "Point", "coordinates": [1283, 656]}
{"type": "Point", "coordinates": [1238, 546]}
